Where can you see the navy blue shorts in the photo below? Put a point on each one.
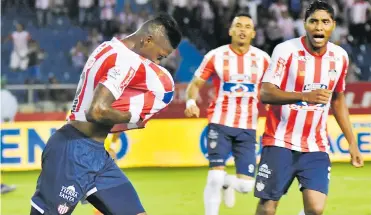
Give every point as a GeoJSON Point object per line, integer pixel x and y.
{"type": "Point", "coordinates": [279, 166]}
{"type": "Point", "coordinates": [76, 167]}
{"type": "Point", "coordinates": [223, 140]}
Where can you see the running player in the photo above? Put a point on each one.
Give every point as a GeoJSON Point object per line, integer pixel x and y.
{"type": "Point", "coordinates": [74, 161]}
{"type": "Point", "coordinates": [305, 78]}
{"type": "Point", "coordinates": [236, 70]}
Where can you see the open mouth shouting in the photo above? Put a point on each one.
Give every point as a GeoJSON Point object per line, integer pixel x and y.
{"type": "Point", "coordinates": [242, 36]}
{"type": "Point", "coordinates": [319, 38]}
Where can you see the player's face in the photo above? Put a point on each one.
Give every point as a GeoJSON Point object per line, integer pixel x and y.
{"type": "Point", "coordinates": [319, 27]}
{"type": "Point", "coordinates": [156, 49]}
{"type": "Point", "coordinates": [242, 30]}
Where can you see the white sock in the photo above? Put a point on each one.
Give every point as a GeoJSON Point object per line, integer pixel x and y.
{"type": "Point", "coordinates": [240, 185]}
{"type": "Point", "coordinates": [302, 212]}
{"type": "Point", "coordinates": [212, 192]}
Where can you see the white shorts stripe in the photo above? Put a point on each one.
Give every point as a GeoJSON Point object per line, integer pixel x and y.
{"type": "Point", "coordinates": [33, 204]}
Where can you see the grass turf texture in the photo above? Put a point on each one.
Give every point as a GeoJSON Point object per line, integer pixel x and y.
{"type": "Point", "coordinates": [179, 191]}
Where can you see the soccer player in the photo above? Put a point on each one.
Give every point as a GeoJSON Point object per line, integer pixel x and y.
{"type": "Point", "coordinates": [121, 87]}
{"type": "Point", "coordinates": [236, 70]}
{"type": "Point", "coordinates": [305, 78]}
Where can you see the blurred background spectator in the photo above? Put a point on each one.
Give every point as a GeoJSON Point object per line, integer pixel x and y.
{"type": "Point", "coordinates": [64, 32]}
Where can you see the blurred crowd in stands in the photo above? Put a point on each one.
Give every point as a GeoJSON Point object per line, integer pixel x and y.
{"type": "Point", "coordinates": [34, 32]}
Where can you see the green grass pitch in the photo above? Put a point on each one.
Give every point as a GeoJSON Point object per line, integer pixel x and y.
{"type": "Point", "coordinates": [179, 191]}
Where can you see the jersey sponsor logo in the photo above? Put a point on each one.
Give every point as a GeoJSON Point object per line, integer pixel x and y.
{"type": "Point", "coordinates": [305, 105]}
{"type": "Point", "coordinates": [127, 79]}
{"type": "Point", "coordinates": [238, 89]}
{"type": "Point", "coordinates": [264, 171]}
{"type": "Point", "coordinates": [68, 193]}
{"type": "Point", "coordinates": [239, 77]}
{"type": "Point", "coordinates": [332, 58]}
{"type": "Point", "coordinates": [302, 58]}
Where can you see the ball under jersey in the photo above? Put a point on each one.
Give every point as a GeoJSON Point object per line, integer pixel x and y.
{"type": "Point", "coordinates": [138, 85]}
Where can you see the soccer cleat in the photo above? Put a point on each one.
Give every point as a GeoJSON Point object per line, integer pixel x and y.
{"type": "Point", "coordinates": [229, 196]}
{"type": "Point", "coordinates": [7, 188]}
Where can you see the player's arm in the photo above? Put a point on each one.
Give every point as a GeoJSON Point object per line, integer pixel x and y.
{"type": "Point", "coordinates": [101, 111]}
{"type": "Point", "coordinates": [271, 93]}
{"type": "Point", "coordinates": [341, 114]}
{"type": "Point", "coordinates": [203, 73]}
{"type": "Point", "coordinates": [107, 91]}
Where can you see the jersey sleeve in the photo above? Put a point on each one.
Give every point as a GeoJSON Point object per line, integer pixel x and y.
{"type": "Point", "coordinates": [278, 66]}
{"type": "Point", "coordinates": [340, 86]}
{"type": "Point", "coordinates": [118, 78]}
{"type": "Point", "coordinates": [206, 68]}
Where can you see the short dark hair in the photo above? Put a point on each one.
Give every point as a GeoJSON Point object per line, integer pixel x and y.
{"type": "Point", "coordinates": [172, 30]}
{"type": "Point", "coordinates": [319, 5]}
{"type": "Point", "coordinates": [240, 14]}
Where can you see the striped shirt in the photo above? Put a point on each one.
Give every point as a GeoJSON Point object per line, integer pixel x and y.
{"type": "Point", "coordinates": [138, 85]}
{"type": "Point", "coordinates": [302, 126]}
{"type": "Point", "coordinates": [236, 80]}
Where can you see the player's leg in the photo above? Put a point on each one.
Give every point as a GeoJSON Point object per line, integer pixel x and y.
{"type": "Point", "coordinates": [68, 162]}
{"type": "Point", "coordinates": [219, 147]}
{"type": "Point", "coordinates": [275, 175]}
{"type": "Point", "coordinates": [113, 193]}
{"type": "Point", "coordinates": [14, 61]}
{"type": "Point", "coordinates": [314, 175]}
{"type": "Point", "coordinates": [243, 149]}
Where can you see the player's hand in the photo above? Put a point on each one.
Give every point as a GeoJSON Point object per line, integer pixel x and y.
{"type": "Point", "coordinates": [319, 96]}
{"type": "Point", "coordinates": [355, 155]}
{"type": "Point", "coordinates": [112, 154]}
{"type": "Point", "coordinates": [192, 111]}
{"type": "Point", "coordinates": [267, 106]}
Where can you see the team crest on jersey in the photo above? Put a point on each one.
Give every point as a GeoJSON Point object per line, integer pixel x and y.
{"type": "Point", "coordinates": [332, 74]}
{"type": "Point", "coordinates": [62, 209]}
{"type": "Point", "coordinates": [281, 66]}
{"type": "Point", "coordinates": [306, 106]}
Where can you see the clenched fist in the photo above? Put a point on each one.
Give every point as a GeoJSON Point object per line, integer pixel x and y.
{"type": "Point", "coordinates": [192, 111]}
{"type": "Point", "coordinates": [319, 96]}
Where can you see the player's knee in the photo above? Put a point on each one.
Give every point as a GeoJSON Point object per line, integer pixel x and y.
{"type": "Point", "coordinates": [314, 210]}
{"type": "Point", "coordinates": [266, 207]}
{"type": "Point", "coordinates": [215, 178]}
{"type": "Point", "coordinates": [217, 168]}
{"type": "Point", "coordinates": [245, 186]}
{"type": "Point", "coordinates": [142, 214]}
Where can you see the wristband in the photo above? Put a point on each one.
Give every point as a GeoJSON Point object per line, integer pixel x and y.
{"type": "Point", "coordinates": [190, 102]}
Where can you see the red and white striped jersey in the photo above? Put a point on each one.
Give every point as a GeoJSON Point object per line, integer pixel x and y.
{"type": "Point", "coordinates": [236, 79]}
{"type": "Point", "coordinates": [139, 85]}
{"type": "Point", "coordinates": [302, 126]}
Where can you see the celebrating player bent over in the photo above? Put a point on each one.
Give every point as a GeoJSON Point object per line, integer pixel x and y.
{"type": "Point", "coordinates": [305, 78]}
{"type": "Point", "coordinates": [121, 87]}
{"type": "Point", "coordinates": [236, 70]}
